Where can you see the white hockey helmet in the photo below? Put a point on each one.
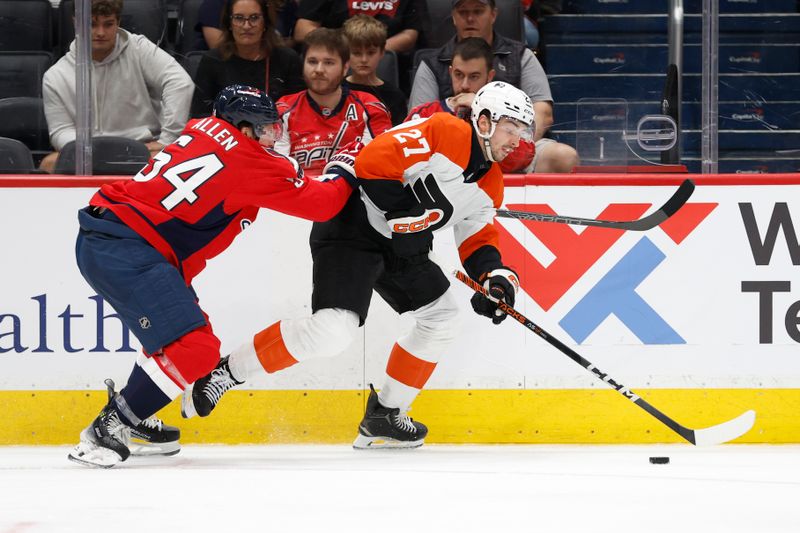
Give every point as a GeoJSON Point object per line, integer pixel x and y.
{"type": "Point", "coordinates": [499, 99]}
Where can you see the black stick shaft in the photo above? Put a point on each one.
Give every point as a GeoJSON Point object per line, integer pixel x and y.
{"type": "Point", "coordinates": [684, 432]}
{"type": "Point", "coordinates": [676, 201]}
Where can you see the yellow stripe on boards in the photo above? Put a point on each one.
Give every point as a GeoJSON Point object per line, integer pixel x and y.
{"type": "Point", "coordinates": [453, 416]}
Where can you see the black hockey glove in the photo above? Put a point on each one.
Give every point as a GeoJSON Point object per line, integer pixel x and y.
{"type": "Point", "coordinates": [502, 284]}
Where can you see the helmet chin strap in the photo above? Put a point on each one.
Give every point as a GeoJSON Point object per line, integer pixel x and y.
{"type": "Point", "coordinates": [487, 147]}
{"type": "Point", "coordinates": [487, 150]}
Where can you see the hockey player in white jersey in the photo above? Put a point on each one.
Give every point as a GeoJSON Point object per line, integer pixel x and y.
{"type": "Point", "coordinates": [417, 178]}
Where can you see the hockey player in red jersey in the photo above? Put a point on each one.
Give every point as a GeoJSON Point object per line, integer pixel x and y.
{"type": "Point", "coordinates": [417, 178]}
{"type": "Point", "coordinates": [142, 241]}
{"type": "Point", "coordinates": [471, 69]}
{"type": "Point", "coordinates": [327, 116]}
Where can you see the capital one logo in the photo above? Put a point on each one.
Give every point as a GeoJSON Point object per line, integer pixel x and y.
{"type": "Point", "coordinates": [577, 253]}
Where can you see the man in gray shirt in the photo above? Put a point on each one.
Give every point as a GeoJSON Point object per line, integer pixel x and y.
{"type": "Point", "coordinates": [138, 90]}
{"type": "Point", "coordinates": [513, 63]}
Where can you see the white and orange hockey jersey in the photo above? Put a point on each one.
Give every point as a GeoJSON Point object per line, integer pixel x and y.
{"type": "Point", "coordinates": [435, 162]}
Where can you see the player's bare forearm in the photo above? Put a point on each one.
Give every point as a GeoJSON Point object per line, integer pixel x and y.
{"type": "Point", "coordinates": [543, 117]}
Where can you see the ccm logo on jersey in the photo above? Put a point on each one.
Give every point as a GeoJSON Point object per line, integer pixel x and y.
{"type": "Point", "coordinates": [416, 224]}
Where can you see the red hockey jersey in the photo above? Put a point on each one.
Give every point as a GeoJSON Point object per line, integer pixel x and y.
{"type": "Point", "coordinates": [194, 197]}
{"type": "Point", "coordinates": [516, 161]}
{"type": "Point", "coordinates": [311, 134]}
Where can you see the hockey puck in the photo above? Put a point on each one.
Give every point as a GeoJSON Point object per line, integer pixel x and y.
{"type": "Point", "coordinates": [659, 460]}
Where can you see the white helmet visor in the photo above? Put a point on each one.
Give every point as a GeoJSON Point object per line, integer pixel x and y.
{"type": "Point", "coordinates": [516, 128]}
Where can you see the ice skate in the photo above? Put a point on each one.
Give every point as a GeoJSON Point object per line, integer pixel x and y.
{"type": "Point", "coordinates": [154, 437]}
{"type": "Point", "coordinates": [383, 427]}
{"type": "Point", "coordinates": [105, 442]}
{"type": "Point", "coordinates": [201, 398]}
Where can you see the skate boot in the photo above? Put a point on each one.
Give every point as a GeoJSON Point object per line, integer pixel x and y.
{"type": "Point", "coordinates": [201, 398]}
{"type": "Point", "coordinates": [383, 427]}
{"type": "Point", "coordinates": [154, 437]}
{"type": "Point", "coordinates": [105, 442]}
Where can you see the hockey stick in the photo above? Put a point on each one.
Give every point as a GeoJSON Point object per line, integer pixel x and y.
{"type": "Point", "coordinates": [652, 220]}
{"type": "Point", "coordinates": [699, 437]}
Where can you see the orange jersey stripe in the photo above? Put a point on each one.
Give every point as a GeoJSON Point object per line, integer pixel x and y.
{"type": "Point", "coordinates": [486, 236]}
{"type": "Point", "coordinates": [408, 369]}
{"type": "Point", "coordinates": [271, 350]}
{"type": "Point", "coordinates": [493, 185]}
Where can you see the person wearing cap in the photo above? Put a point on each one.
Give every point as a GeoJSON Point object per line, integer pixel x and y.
{"type": "Point", "coordinates": [513, 63]}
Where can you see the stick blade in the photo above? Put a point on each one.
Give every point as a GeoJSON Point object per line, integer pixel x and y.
{"type": "Point", "coordinates": [726, 431]}
{"type": "Point", "coordinates": [672, 205]}
{"type": "Point", "coordinates": [678, 199]}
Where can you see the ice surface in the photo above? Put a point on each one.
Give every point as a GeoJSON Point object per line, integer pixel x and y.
{"type": "Point", "coordinates": [436, 488]}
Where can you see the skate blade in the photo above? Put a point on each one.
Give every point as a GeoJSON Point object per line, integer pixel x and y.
{"type": "Point", "coordinates": [94, 456]}
{"type": "Point", "coordinates": [364, 442]}
{"type": "Point", "coordinates": [141, 448]}
{"type": "Point", "coordinates": [187, 403]}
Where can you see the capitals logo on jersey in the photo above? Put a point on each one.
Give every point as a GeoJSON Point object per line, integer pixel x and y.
{"type": "Point", "coordinates": [313, 134]}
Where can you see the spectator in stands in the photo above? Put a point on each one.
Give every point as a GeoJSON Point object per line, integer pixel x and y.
{"type": "Point", "coordinates": [472, 69]}
{"type": "Point", "coordinates": [138, 90]}
{"type": "Point", "coordinates": [327, 116]}
{"type": "Point", "coordinates": [404, 19]}
{"type": "Point", "coordinates": [287, 18]}
{"type": "Point", "coordinates": [513, 63]}
{"type": "Point", "coordinates": [367, 38]}
{"type": "Point", "coordinates": [250, 53]}
{"type": "Point", "coordinates": [531, 29]}
{"type": "Point", "coordinates": [210, 21]}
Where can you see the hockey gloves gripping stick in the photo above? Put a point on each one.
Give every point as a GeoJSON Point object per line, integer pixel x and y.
{"type": "Point", "coordinates": [500, 285]}
{"type": "Point", "coordinates": [718, 434]}
{"type": "Point", "coordinates": [678, 199]}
